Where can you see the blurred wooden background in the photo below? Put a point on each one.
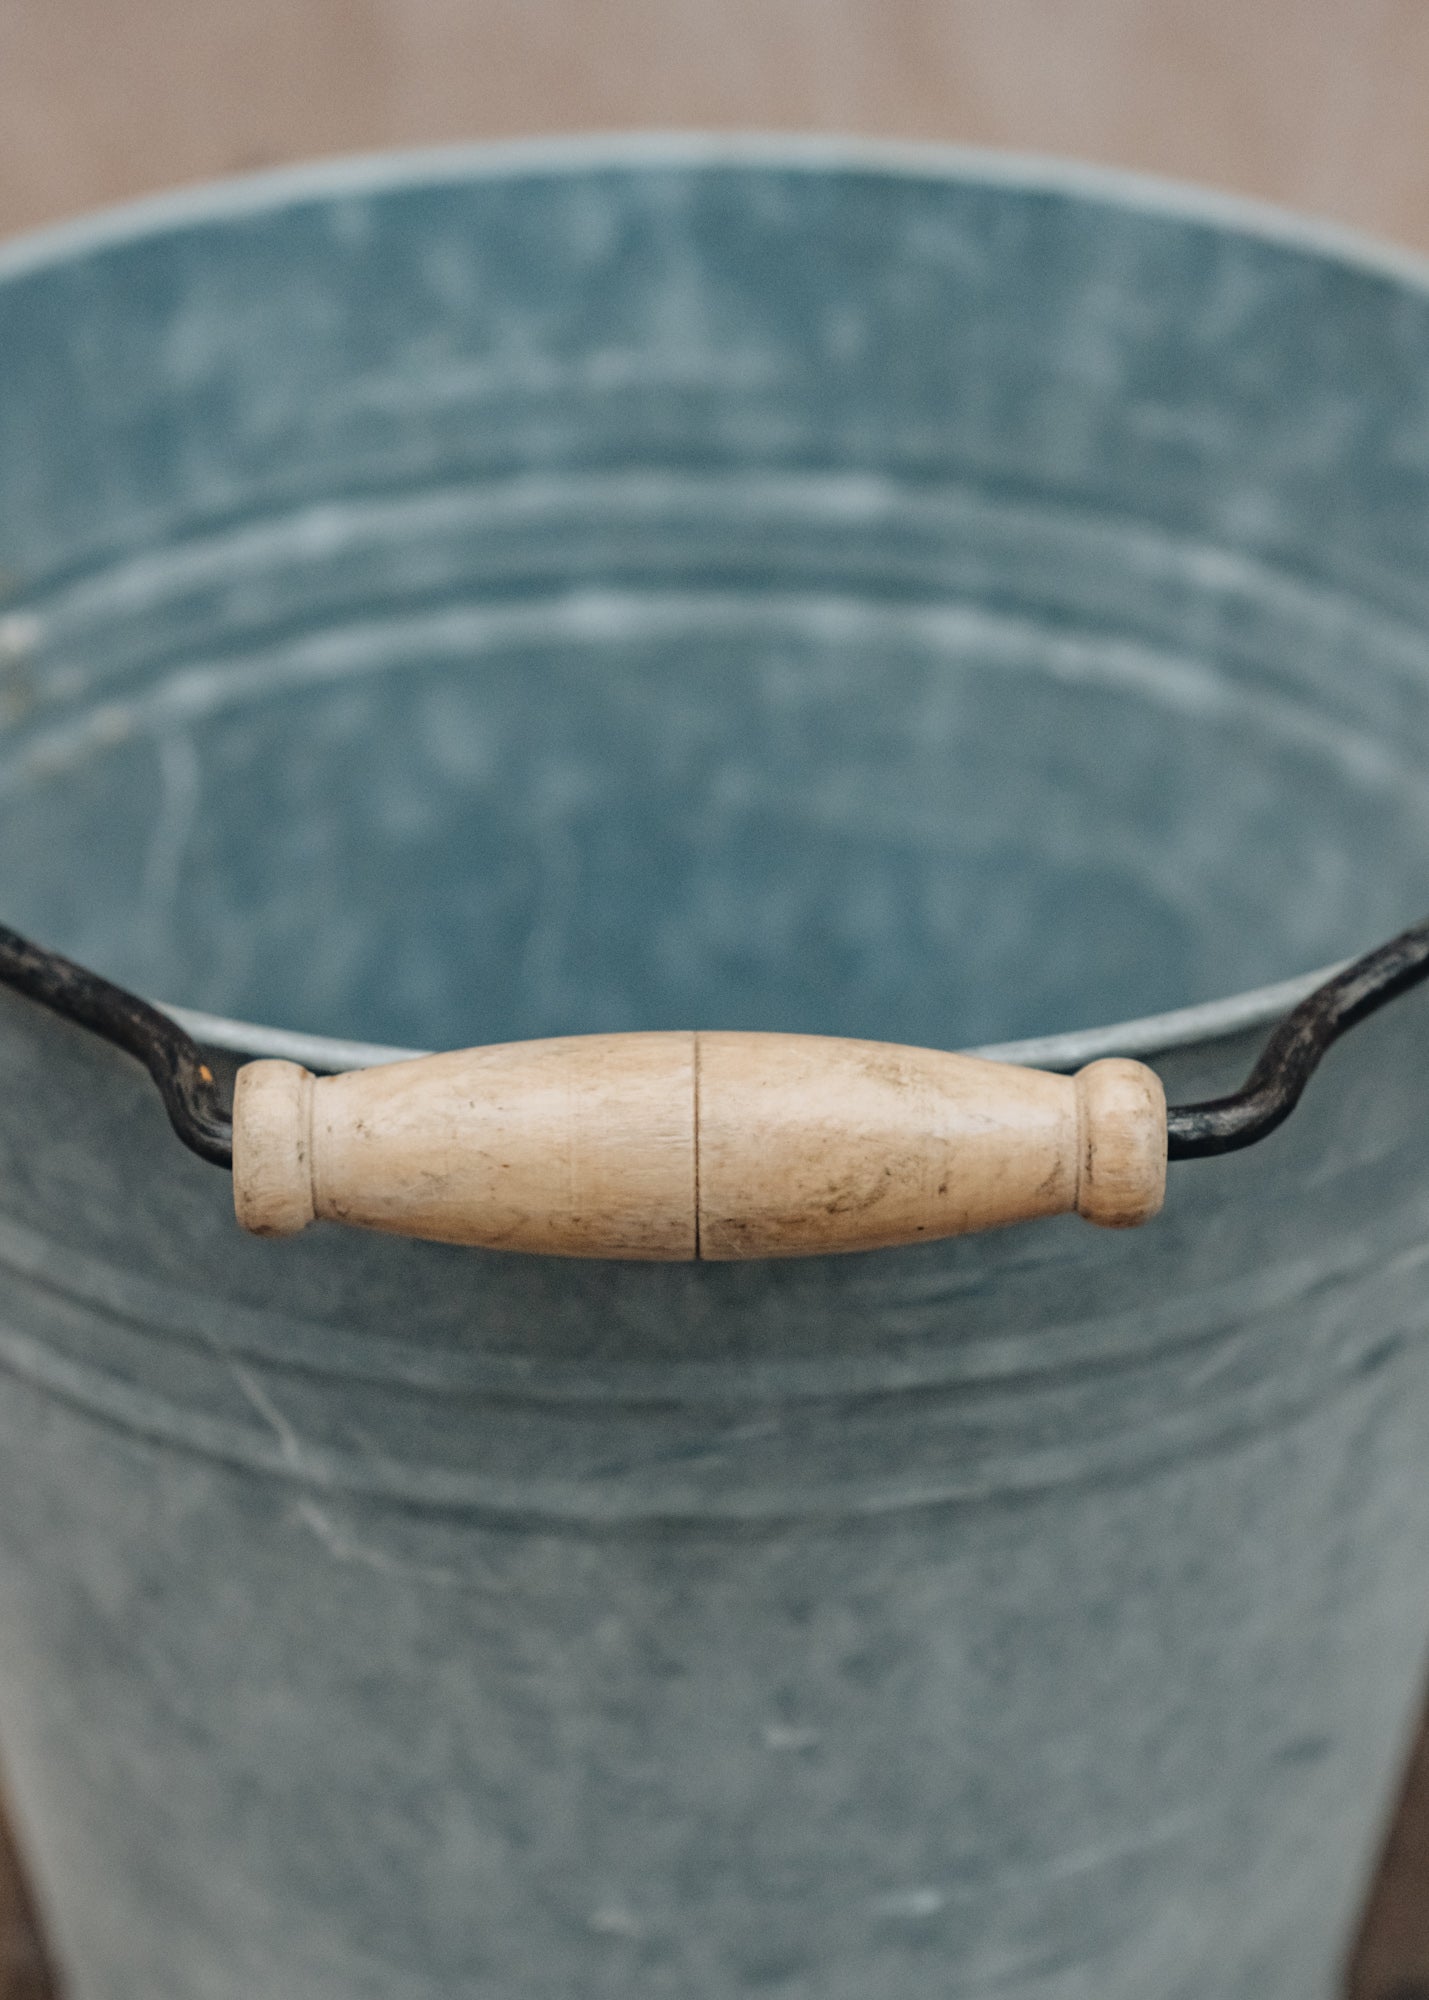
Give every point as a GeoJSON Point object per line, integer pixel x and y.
{"type": "Point", "coordinates": [1322, 104]}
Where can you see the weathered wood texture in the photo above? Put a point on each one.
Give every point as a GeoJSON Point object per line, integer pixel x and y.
{"type": "Point", "coordinates": [582, 1146]}
{"type": "Point", "coordinates": [683, 1145]}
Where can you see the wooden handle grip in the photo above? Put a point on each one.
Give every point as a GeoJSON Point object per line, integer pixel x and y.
{"type": "Point", "coordinates": [679, 1146]}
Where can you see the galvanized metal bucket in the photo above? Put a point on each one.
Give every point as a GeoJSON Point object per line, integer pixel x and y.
{"type": "Point", "coordinates": [738, 585]}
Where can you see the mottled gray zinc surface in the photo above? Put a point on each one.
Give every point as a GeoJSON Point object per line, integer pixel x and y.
{"type": "Point", "coordinates": [470, 599]}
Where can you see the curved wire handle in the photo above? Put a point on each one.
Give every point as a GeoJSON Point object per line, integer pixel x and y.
{"type": "Point", "coordinates": [1194, 1131]}
{"type": "Point", "coordinates": [172, 1058]}
{"type": "Point", "coordinates": [1289, 1059]}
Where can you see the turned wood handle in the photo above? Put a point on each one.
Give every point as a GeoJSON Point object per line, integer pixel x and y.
{"type": "Point", "coordinates": [680, 1146]}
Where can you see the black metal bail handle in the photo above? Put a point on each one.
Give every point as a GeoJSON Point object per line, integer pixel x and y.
{"type": "Point", "coordinates": [172, 1058]}
{"type": "Point", "coordinates": [1194, 1131]}
{"type": "Point", "coordinates": [1289, 1059]}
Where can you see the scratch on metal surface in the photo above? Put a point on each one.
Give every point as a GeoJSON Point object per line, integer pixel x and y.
{"type": "Point", "coordinates": [342, 1548]}
{"type": "Point", "coordinates": [790, 1736]}
{"type": "Point", "coordinates": [172, 829]}
{"type": "Point", "coordinates": [290, 1444]}
{"type": "Point", "coordinates": [615, 1920]}
{"type": "Point", "coordinates": [909, 1903]}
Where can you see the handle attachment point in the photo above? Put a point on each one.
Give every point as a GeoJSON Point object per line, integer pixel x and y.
{"type": "Point", "coordinates": [273, 1109]}
{"type": "Point", "coordinates": [1121, 1118]}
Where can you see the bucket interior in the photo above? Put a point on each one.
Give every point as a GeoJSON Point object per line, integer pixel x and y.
{"type": "Point", "coordinates": [693, 597]}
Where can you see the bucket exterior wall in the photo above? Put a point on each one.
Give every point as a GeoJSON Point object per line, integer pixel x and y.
{"type": "Point", "coordinates": [1040, 1615]}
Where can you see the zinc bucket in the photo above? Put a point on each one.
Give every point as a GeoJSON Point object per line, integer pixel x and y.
{"type": "Point", "coordinates": [727, 585]}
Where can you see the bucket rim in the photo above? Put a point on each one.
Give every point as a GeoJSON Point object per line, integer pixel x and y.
{"type": "Point", "coordinates": [231, 197]}
{"type": "Point", "coordinates": [1148, 1035]}
{"type": "Point", "coordinates": [270, 190]}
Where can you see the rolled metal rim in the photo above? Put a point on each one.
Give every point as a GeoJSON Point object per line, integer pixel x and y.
{"type": "Point", "coordinates": [277, 188]}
